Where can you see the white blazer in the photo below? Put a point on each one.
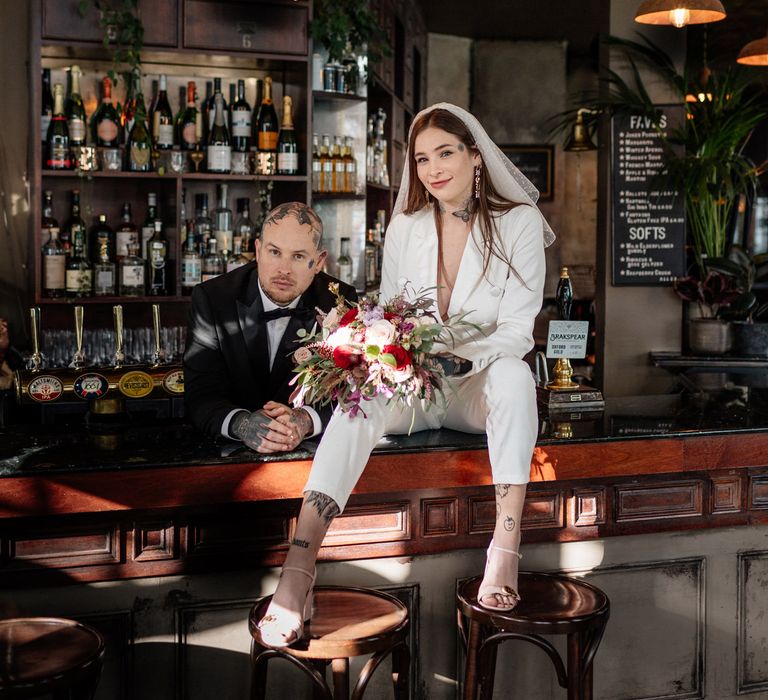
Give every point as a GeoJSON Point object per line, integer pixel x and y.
{"type": "Point", "coordinates": [503, 304]}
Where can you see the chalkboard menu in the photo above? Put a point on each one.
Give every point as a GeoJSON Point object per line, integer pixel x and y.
{"type": "Point", "coordinates": [648, 223]}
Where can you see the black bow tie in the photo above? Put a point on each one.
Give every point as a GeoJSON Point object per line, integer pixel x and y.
{"type": "Point", "coordinates": [283, 311]}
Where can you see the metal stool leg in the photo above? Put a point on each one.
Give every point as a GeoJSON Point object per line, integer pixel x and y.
{"type": "Point", "coordinates": [258, 673]}
{"type": "Point", "coordinates": [401, 670]}
{"type": "Point", "coordinates": [575, 667]}
{"type": "Point", "coordinates": [471, 677]}
{"type": "Point", "coordinates": [340, 668]}
{"type": "Point", "coordinates": [487, 669]}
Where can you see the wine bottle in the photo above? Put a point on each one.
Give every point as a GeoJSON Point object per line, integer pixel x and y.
{"type": "Point", "coordinates": [241, 121]}
{"type": "Point", "coordinates": [344, 262]}
{"type": "Point", "coordinates": [210, 106]}
{"type": "Point", "coordinates": [287, 146]}
{"type": "Point", "coordinates": [105, 125]}
{"type": "Point", "coordinates": [268, 131]}
{"type": "Point", "coordinates": [75, 109]}
{"type": "Point", "coordinates": [157, 268]}
{"type": "Point", "coordinates": [129, 108]}
{"type": "Point", "coordinates": [139, 146]}
{"type": "Point", "coordinates": [57, 139]}
{"type": "Point", "coordinates": [75, 225]}
{"type": "Point", "coordinates": [162, 118]}
{"type": "Point", "coordinates": [47, 105]}
{"type": "Point", "coordinates": [190, 124]}
{"type": "Point", "coordinates": [54, 255]}
{"type": "Point", "coordinates": [219, 148]}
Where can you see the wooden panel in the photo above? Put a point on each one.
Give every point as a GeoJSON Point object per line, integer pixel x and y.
{"type": "Point", "coordinates": [752, 651]}
{"type": "Point", "coordinates": [588, 507]}
{"type": "Point", "coordinates": [154, 542]}
{"type": "Point", "coordinates": [758, 492]}
{"type": "Point", "coordinates": [383, 522]}
{"type": "Point", "coordinates": [726, 494]}
{"type": "Point", "coordinates": [726, 451]}
{"type": "Point", "coordinates": [541, 510]}
{"type": "Point", "coordinates": [228, 535]}
{"type": "Point", "coordinates": [246, 26]}
{"type": "Point", "coordinates": [670, 500]}
{"type": "Point", "coordinates": [482, 514]}
{"type": "Point", "coordinates": [439, 516]}
{"type": "Point", "coordinates": [62, 21]}
{"type": "Point", "coordinates": [64, 548]}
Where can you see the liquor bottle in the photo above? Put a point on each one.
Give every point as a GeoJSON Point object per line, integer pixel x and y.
{"type": "Point", "coordinates": [326, 165]}
{"type": "Point", "coordinates": [139, 147]}
{"type": "Point", "coordinates": [183, 221]}
{"type": "Point", "coordinates": [237, 259]}
{"type": "Point", "coordinates": [57, 139]}
{"type": "Point", "coordinates": [219, 148]}
{"type": "Point", "coordinates": [54, 255]}
{"type": "Point", "coordinates": [75, 109]}
{"type": "Point", "coordinates": [213, 262]}
{"type": "Point", "coordinates": [126, 233]}
{"type": "Point", "coordinates": [210, 106]}
{"type": "Point", "coordinates": [287, 146]}
{"type": "Point", "coordinates": [369, 151]}
{"type": "Point", "coordinates": [338, 165]}
{"type": "Point", "coordinates": [381, 169]}
{"type": "Point", "coordinates": [191, 266]}
{"type": "Point", "coordinates": [371, 281]}
{"type": "Point", "coordinates": [148, 227]}
{"type": "Point", "coordinates": [157, 267]}
{"type": "Point", "coordinates": [344, 262]}
{"type": "Point", "coordinates": [162, 118]}
{"type": "Point", "coordinates": [103, 273]}
{"type": "Point", "coordinates": [47, 105]}
{"type": "Point", "coordinates": [128, 115]}
{"type": "Point", "coordinates": [222, 222]}
{"type": "Point", "coordinates": [244, 227]}
{"type": "Point", "coordinates": [74, 224]}
{"type": "Point", "coordinates": [241, 121]}
{"type": "Point", "coordinates": [190, 124]}
{"type": "Point", "coordinates": [79, 273]}
{"type": "Point", "coordinates": [132, 273]}
{"type": "Point", "coordinates": [105, 124]}
{"type": "Point", "coordinates": [202, 226]}
{"type": "Point", "coordinates": [316, 166]}
{"type": "Point", "coordinates": [101, 236]}
{"type": "Point", "coordinates": [268, 131]}
{"type": "Point", "coordinates": [350, 166]}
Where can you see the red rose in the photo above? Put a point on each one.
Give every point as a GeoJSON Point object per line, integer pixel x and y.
{"type": "Point", "coordinates": [388, 316]}
{"type": "Point", "coordinates": [401, 355]}
{"type": "Point", "coordinates": [348, 317]}
{"type": "Point", "coordinates": [345, 356]}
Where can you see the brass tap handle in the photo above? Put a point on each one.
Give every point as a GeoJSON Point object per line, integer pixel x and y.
{"type": "Point", "coordinates": [119, 357]}
{"type": "Point", "coordinates": [159, 354]}
{"type": "Point", "coordinates": [78, 359]}
{"type": "Point", "coordinates": [35, 362]}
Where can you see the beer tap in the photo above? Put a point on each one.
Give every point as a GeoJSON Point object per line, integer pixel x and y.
{"type": "Point", "coordinates": [35, 362]}
{"type": "Point", "coordinates": [119, 356]}
{"type": "Point", "coordinates": [158, 356]}
{"type": "Point", "coordinates": [78, 359]}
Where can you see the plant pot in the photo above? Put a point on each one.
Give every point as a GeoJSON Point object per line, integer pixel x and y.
{"type": "Point", "coordinates": [750, 339]}
{"type": "Point", "coordinates": [709, 336]}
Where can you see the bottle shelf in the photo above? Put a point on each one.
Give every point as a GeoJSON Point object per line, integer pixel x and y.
{"type": "Point", "coordinates": [120, 174]}
{"type": "Point", "coordinates": [77, 301]}
{"type": "Point", "coordinates": [336, 195]}
{"type": "Point", "coordinates": [327, 95]}
{"type": "Point", "coordinates": [377, 186]}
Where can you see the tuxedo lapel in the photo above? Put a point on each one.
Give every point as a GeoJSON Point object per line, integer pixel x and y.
{"type": "Point", "coordinates": [254, 330]}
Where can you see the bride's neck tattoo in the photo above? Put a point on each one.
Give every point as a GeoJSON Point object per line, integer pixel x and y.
{"type": "Point", "coordinates": [464, 212]}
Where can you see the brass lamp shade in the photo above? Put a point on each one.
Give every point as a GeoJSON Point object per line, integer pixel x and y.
{"type": "Point", "coordinates": [755, 53]}
{"type": "Point", "coordinates": [579, 138]}
{"type": "Point", "coordinates": [678, 13]}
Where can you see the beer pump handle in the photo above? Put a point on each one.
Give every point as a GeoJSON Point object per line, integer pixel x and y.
{"type": "Point", "coordinates": [119, 357]}
{"type": "Point", "coordinates": [35, 362]}
{"type": "Point", "coordinates": [159, 354]}
{"type": "Point", "coordinates": [78, 359]}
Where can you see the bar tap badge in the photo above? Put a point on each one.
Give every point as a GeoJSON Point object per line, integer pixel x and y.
{"type": "Point", "coordinates": [566, 340]}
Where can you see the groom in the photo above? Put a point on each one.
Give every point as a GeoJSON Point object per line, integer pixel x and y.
{"type": "Point", "coordinates": [243, 330]}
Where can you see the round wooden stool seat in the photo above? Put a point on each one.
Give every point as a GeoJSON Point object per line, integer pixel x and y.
{"type": "Point", "coordinates": [345, 622]}
{"type": "Point", "coordinates": [550, 604]}
{"type": "Point", "coordinates": [39, 655]}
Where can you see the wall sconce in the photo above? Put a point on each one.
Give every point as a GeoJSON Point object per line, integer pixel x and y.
{"type": "Point", "coordinates": [679, 13]}
{"type": "Point", "coordinates": [755, 53]}
{"type": "Point", "coordinates": [579, 139]}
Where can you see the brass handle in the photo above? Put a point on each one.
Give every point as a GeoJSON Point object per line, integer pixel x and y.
{"type": "Point", "coordinates": [158, 354]}
{"type": "Point", "coordinates": [119, 358]}
{"type": "Point", "coordinates": [36, 361]}
{"type": "Point", "coordinates": [78, 359]}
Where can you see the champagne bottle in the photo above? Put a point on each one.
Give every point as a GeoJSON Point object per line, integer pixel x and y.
{"type": "Point", "coordinates": [54, 255]}
{"type": "Point", "coordinates": [162, 118]}
{"type": "Point", "coordinates": [219, 148]}
{"type": "Point", "coordinates": [190, 123]}
{"type": "Point", "coordinates": [268, 131]}
{"type": "Point", "coordinates": [139, 146]}
{"type": "Point", "coordinates": [75, 109]}
{"type": "Point", "coordinates": [241, 121]}
{"type": "Point", "coordinates": [157, 262]}
{"type": "Point", "coordinates": [287, 146]}
{"type": "Point", "coordinates": [47, 105]}
{"type": "Point", "coordinates": [105, 124]}
{"type": "Point", "coordinates": [210, 106]}
{"type": "Point", "coordinates": [57, 140]}
{"type": "Point", "coordinates": [75, 225]}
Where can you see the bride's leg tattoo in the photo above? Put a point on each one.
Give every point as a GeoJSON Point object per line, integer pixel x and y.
{"type": "Point", "coordinates": [324, 505]}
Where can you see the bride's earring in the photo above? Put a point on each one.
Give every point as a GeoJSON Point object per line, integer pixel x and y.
{"type": "Point", "coordinates": [477, 182]}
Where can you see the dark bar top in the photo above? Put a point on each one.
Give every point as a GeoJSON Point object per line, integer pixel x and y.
{"type": "Point", "coordinates": [28, 450]}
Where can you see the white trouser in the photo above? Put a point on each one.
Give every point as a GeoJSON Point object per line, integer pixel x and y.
{"type": "Point", "coordinates": [500, 400]}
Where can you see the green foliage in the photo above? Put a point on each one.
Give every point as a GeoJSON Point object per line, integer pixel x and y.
{"type": "Point", "coordinates": [746, 271]}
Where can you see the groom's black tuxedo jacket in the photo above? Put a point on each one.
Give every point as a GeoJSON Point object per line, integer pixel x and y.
{"type": "Point", "coordinates": [226, 362]}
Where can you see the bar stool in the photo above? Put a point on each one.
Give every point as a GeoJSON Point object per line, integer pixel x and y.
{"type": "Point", "coordinates": [550, 604]}
{"type": "Point", "coordinates": [346, 622]}
{"type": "Point", "coordinates": [42, 655]}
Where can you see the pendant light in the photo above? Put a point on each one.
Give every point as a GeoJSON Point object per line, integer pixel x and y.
{"type": "Point", "coordinates": [755, 53]}
{"type": "Point", "coordinates": [679, 13]}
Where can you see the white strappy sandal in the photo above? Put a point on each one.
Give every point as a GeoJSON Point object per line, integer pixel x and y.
{"type": "Point", "coordinates": [490, 589]}
{"type": "Point", "coordinates": [282, 628]}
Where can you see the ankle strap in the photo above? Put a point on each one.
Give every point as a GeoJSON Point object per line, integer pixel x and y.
{"type": "Point", "coordinates": [508, 551]}
{"type": "Point", "coordinates": [308, 574]}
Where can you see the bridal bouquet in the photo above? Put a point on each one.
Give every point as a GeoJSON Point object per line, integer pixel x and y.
{"type": "Point", "coordinates": [368, 350]}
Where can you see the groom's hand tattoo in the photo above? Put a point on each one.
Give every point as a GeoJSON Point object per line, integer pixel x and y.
{"type": "Point", "coordinates": [324, 505]}
{"type": "Point", "coordinates": [252, 429]}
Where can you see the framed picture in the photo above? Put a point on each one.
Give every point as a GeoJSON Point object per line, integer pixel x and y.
{"type": "Point", "coordinates": [537, 163]}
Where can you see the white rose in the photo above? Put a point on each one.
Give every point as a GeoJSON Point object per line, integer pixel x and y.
{"type": "Point", "coordinates": [341, 336]}
{"type": "Point", "coordinates": [331, 320]}
{"type": "Point", "coordinates": [380, 333]}
{"type": "Point", "coordinates": [302, 355]}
